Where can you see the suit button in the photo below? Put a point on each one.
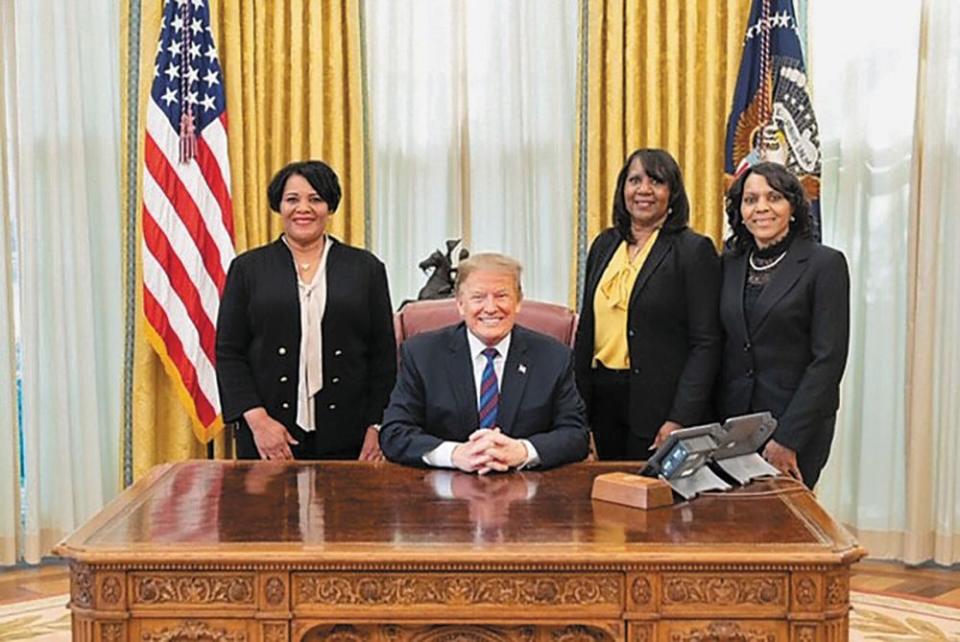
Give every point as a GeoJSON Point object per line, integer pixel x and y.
{"type": "Point", "coordinates": [337, 353]}
{"type": "Point", "coordinates": [630, 332]}
{"type": "Point", "coordinates": [283, 379]}
{"type": "Point", "coordinates": [750, 373]}
{"type": "Point", "coordinates": [636, 371]}
{"type": "Point", "coordinates": [281, 350]}
{"type": "Point", "coordinates": [746, 346]}
{"type": "Point", "coordinates": [285, 405]}
{"type": "Point", "coordinates": [332, 406]}
{"type": "Point", "coordinates": [335, 380]}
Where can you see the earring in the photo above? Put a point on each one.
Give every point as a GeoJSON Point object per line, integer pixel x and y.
{"type": "Point", "coordinates": [793, 219]}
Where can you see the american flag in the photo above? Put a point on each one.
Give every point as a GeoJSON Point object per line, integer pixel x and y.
{"type": "Point", "coordinates": [187, 212]}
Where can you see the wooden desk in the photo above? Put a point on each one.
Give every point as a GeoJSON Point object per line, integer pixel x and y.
{"type": "Point", "coordinates": [353, 552]}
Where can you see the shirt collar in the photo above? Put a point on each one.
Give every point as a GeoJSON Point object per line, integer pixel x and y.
{"type": "Point", "coordinates": [477, 346]}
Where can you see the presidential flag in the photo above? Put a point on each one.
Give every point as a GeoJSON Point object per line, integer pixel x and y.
{"type": "Point", "coordinates": [772, 117]}
{"type": "Point", "coordinates": [187, 214]}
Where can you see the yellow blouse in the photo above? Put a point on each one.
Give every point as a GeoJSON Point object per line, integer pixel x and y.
{"type": "Point", "coordinates": [610, 304]}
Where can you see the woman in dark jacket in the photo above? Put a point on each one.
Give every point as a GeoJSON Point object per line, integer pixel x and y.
{"type": "Point", "coordinates": [785, 307]}
{"type": "Point", "coordinates": [648, 343]}
{"type": "Point", "coordinates": [306, 356]}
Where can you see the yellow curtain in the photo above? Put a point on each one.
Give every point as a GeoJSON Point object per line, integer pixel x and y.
{"type": "Point", "coordinates": [659, 73]}
{"type": "Point", "coordinates": [293, 76]}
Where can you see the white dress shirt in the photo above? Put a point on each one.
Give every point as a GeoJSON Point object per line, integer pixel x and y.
{"type": "Point", "coordinates": [442, 455]}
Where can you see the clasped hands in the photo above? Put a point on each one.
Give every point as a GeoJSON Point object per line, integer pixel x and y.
{"type": "Point", "coordinates": [488, 449]}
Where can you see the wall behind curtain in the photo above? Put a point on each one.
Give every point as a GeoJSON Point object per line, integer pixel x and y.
{"type": "Point", "coordinates": [292, 72]}
{"type": "Point", "coordinates": [658, 73]}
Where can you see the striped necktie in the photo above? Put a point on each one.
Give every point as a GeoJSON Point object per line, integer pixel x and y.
{"type": "Point", "coordinates": [489, 391]}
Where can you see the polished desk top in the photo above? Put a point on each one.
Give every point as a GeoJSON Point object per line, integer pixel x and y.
{"type": "Point", "coordinates": [384, 513]}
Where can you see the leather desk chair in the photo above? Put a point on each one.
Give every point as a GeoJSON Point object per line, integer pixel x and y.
{"type": "Point", "coordinates": [557, 321]}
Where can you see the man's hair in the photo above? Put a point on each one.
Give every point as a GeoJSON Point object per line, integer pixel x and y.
{"type": "Point", "coordinates": [488, 261]}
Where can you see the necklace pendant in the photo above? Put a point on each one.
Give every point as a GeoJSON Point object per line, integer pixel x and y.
{"type": "Point", "coordinates": [304, 266]}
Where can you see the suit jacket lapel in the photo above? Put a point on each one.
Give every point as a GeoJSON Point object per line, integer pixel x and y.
{"type": "Point", "coordinates": [658, 252]}
{"type": "Point", "coordinates": [460, 374]}
{"type": "Point", "coordinates": [786, 276]}
{"type": "Point", "coordinates": [515, 375]}
{"type": "Point", "coordinates": [734, 286]}
{"type": "Point", "coordinates": [604, 259]}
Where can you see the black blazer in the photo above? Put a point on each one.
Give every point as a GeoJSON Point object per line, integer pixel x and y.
{"type": "Point", "coordinates": [435, 399]}
{"type": "Point", "coordinates": [673, 332]}
{"type": "Point", "coordinates": [258, 342]}
{"type": "Point", "coordinates": [792, 361]}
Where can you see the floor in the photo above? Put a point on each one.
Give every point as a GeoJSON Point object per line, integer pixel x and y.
{"type": "Point", "coordinates": [931, 583]}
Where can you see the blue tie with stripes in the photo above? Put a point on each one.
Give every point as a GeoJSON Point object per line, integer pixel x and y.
{"type": "Point", "coordinates": [489, 391]}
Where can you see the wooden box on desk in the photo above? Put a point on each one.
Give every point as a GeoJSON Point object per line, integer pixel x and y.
{"type": "Point", "coordinates": [632, 490]}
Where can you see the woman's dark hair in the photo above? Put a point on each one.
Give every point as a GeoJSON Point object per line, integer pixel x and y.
{"type": "Point", "coordinates": [659, 164]}
{"type": "Point", "coordinates": [321, 178]}
{"type": "Point", "coordinates": [780, 179]}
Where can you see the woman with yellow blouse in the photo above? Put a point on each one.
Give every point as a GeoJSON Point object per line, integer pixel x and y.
{"type": "Point", "coordinates": [648, 343]}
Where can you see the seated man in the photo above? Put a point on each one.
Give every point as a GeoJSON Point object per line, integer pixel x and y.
{"type": "Point", "coordinates": [485, 395]}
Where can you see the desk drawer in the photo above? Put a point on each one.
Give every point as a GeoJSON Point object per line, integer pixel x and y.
{"type": "Point", "coordinates": [716, 594]}
{"type": "Point", "coordinates": [731, 630]}
{"type": "Point", "coordinates": [502, 595]}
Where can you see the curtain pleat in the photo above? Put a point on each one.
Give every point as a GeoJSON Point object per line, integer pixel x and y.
{"type": "Point", "coordinates": [933, 310]}
{"type": "Point", "coordinates": [9, 433]}
{"type": "Point", "coordinates": [660, 73]}
{"type": "Point", "coordinates": [292, 73]}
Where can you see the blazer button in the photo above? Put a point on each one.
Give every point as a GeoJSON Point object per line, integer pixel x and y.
{"type": "Point", "coordinates": [630, 332]}
{"type": "Point", "coordinates": [281, 350]}
{"type": "Point", "coordinates": [335, 380]}
{"type": "Point", "coordinates": [337, 353]}
{"type": "Point", "coordinates": [750, 373]}
{"type": "Point", "coordinates": [332, 406]}
{"type": "Point", "coordinates": [283, 379]}
{"type": "Point", "coordinates": [285, 405]}
{"type": "Point", "coordinates": [746, 346]}
{"type": "Point", "coordinates": [636, 371]}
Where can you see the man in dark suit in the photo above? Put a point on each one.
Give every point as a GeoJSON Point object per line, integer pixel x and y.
{"type": "Point", "coordinates": [486, 394]}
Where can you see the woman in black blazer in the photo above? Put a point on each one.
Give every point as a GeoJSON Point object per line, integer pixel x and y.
{"type": "Point", "coordinates": [785, 307]}
{"type": "Point", "coordinates": [306, 355]}
{"type": "Point", "coordinates": [648, 343]}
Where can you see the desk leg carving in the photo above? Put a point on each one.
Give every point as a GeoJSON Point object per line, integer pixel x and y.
{"type": "Point", "coordinates": [641, 632]}
{"type": "Point", "coordinates": [275, 632]}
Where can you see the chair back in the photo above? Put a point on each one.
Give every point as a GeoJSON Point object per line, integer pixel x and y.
{"type": "Point", "coordinates": [557, 321]}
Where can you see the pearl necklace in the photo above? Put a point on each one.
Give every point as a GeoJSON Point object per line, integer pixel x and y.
{"type": "Point", "coordinates": [768, 266]}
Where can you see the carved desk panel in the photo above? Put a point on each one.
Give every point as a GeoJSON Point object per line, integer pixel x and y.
{"type": "Point", "coordinates": [356, 552]}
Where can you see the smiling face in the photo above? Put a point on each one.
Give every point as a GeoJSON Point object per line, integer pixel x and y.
{"type": "Point", "coordinates": [765, 211]}
{"type": "Point", "coordinates": [303, 212]}
{"type": "Point", "coordinates": [646, 196]}
{"type": "Point", "coordinates": [488, 301]}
